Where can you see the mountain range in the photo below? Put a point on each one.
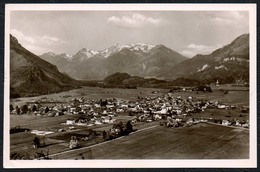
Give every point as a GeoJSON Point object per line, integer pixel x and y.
{"type": "Point", "coordinates": [227, 64]}
{"type": "Point", "coordinates": [30, 75]}
{"type": "Point", "coordinates": [138, 64]}
{"type": "Point", "coordinates": [135, 59]}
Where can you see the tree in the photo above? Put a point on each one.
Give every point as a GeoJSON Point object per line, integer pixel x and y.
{"type": "Point", "coordinates": [103, 103]}
{"type": "Point", "coordinates": [104, 135]}
{"type": "Point", "coordinates": [11, 108]}
{"type": "Point", "coordinates": [24, 109]}
{"type": "Point", "coordinates": [74, 143]}
{"type": "Point", "coordinates": [34, 108]}
{"type": "Point", "coordinates": [130, 113]}
{"type": "Point", "coordinates": [36, 142]}
{"type": "Point", "coordinates": [47, 109]}
{"type": "Point", "coordinates": [129, 126]}
{"type": "Point", "coordinates": [91, 134]}
{"type": "Point", "coordinates": [119, 126]}
{"type": "Point", "coordinates": [18, 111]}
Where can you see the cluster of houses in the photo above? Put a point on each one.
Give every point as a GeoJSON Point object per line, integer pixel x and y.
{"type": "Point", "coordinates": [233, 122]}
{"type": "Point", "coordinates": [174, 110]}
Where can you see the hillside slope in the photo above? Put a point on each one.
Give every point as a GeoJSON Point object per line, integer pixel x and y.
{"type": "Point", "coordinates": [227, 64]}
{"type": "Point", "coordinates": [30, 75]}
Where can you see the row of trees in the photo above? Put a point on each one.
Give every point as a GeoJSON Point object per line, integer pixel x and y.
{"type": "Point", "coordinates": [24, 109]}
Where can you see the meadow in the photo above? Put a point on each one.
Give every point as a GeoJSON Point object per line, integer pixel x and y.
{"type": "Point", "coordinates": [201, 141]}
{"type": "Point", "coordinates": [235, 96]}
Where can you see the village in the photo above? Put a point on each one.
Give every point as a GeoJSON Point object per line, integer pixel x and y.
{"type": "Point", "coordinates": [80, 121]}
{"type": "Point", "coordinates": [170, 110]}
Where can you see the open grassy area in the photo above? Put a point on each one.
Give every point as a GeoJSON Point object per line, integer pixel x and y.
{"type": "Point", "coordinates": [201, 141]}
{"type": "Point", "coordinates": [235, 96]}
{"type": "Point", "coordinates": [151, 141]}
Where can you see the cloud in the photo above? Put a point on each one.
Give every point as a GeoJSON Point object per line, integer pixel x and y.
{"type": "Point", "coordinates": [20, 36]}
{"type": "Point", "coordinates": [136, 20]}
{"type": "Point", "coordinates": [188, 53]}
{"type": "Point", "coordinates": [193, 49]}
{"type": "Point", "coordinates": [36, 44]}
{"type": "Point", "coordinates": [231, 17]}
{"type": "Point", "coordinates": [36, 49]}
{"type": "Point", "coordinates": [236, 15]}
{"type": "Point", "coordinates": [52, 40]}
{"type": "Point", "coordinates": [196, 47]}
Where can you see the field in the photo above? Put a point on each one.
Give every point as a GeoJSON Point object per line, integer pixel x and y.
{"type": "Point", "coordinates": [58, 141]}
{"type": "Point", "coordinates": [235, 96]}
{"type": "Point", "coordinates": [201, 141]}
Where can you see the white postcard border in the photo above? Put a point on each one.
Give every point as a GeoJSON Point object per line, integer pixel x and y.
{"type": "Point", "coordinates": [187, 163]}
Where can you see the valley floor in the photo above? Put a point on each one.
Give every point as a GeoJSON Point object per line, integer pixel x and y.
{"type": "Point", "coordinates": [150, 141]}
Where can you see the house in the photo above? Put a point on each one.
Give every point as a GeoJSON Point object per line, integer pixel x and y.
{"type": "Point", "coordinates": [217, 83]}
{"type": "Point", "coordinates": [157, 117]}
{"type": "Point", "coordinates": [203, 120]}
{"type": "Point", "coordinates": [238, 123]}
{"type": "Point", "coordinates": [108, 120]}
{"type": "Point", "coordinates": [171, 122]}
{"type": "Point", "coordinates": [56, 108]}
{"type": "Point", "coordinates": [178, 119]}
{"type": "Point", "coordinates": [72, 109]}
{"type": "Point", "coordinates": [163, 111]}
{"type": "Point", "coordinates": [110, 106]}
{"type": "Point", "coordinates": [134, 120]}
{"type": "Point", "coordinates": [104, 112]}
{"type": "Point", "coordinates": [97, 105]}
{"type": "Point", "coordinates": [124, 106]}
{"type": "Point", "coordinates": [98, 122]}
{"type": "Point", "coordinates": [196, 121]}
{"type": "Point", "coordinates": [221, 106]}
{"type": "Point", "coordinates": [119, 110]}
{"type": "Point", "coordinates": [51, 114]}
{"type": "Point", "coordinates": [70, 122]}
{"type": "Point", "coordinates": [246, 125]}
{"type": "Point", "coordinates": [225, 122]}
{"type": "Point", "coordinates": [189, 121]}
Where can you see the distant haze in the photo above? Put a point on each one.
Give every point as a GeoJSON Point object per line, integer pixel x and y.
{"type": "Point", "coordinates": [188, 32]}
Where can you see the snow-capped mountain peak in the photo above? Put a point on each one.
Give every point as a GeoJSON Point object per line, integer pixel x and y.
{"type": "Point", "coordinates": [145, 48]}
{"type": "Point", "coordinates": [112, 50]}
{"type": "Point", "coordinates": [85, 53]}
{"type": "Point", "coordinates": [88, 52]}
{"type": "Point", "coordinates": [140, 47]}
{"type": "Point", "coordinates": [69, 57]}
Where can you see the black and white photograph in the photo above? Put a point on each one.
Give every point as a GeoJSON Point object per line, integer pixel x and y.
{"type": "Point", "coordinates": [130, 85]}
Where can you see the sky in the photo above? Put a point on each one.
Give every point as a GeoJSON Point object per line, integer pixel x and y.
{"type": "Point", "coordinates": [187, 32]}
